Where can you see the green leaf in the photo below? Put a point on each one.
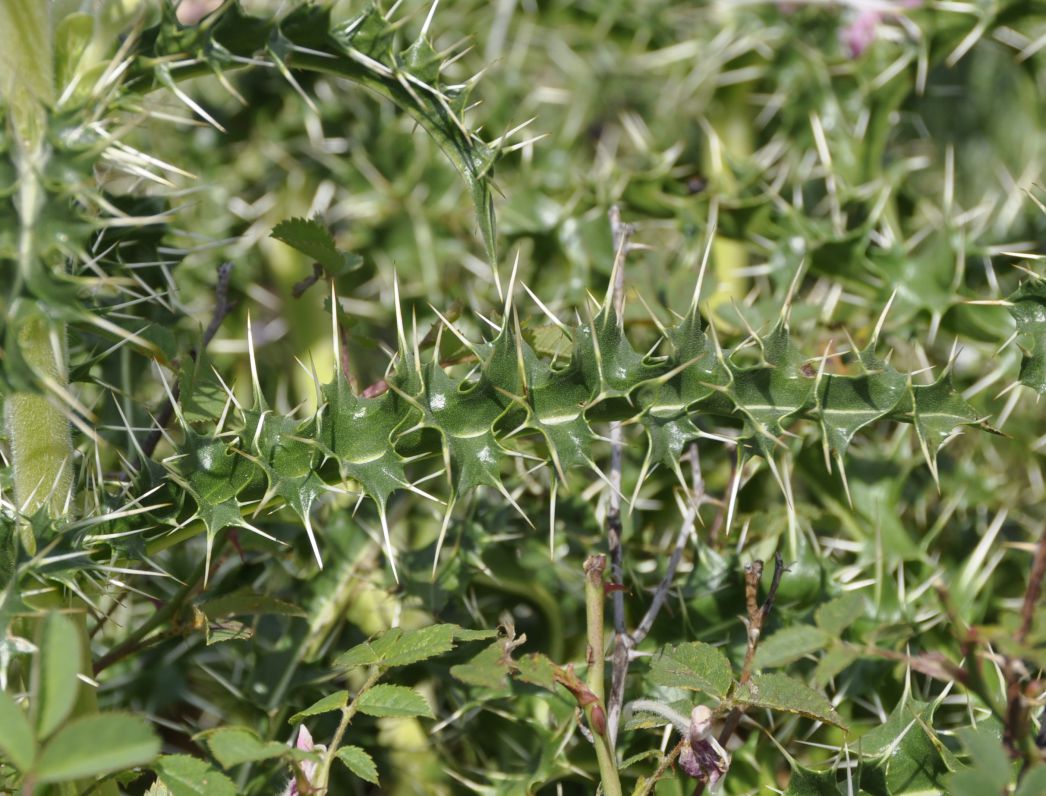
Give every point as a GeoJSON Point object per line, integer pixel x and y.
{"type": "Point", "coordinates": [71, 37]}
{"type": "Point", "coordinates": [393, 700]}
{"type": "Point", "coordinates": [246, 602]}
{"type": "Point", "coordinates": [189, 776]}
{"type": "Point", "coordinates": [218, 630]}
{"type": "Point", "coordinates": [95, 745]}
{"type": "Point", "coordinates": [360, 655]}
{"type": "Point", "coordinates": [990, 770]}
{"type": "Point", "coordinates": [312, 239]}
{"type": "Point", "coordinates": [60, 658]}
{"type": "Point", "coordinates": [834, 661]}
{"type": "Point", "coordinates": [234, 745]}
{"type": "Point", "coordinates": [836, 615]}
{"type": "Point", "coordinates": [16, 736]}
{"type": "Point", "coordinates": [694, 665]}
{"type": "Point", "coordinates": [200, 394]}
{"type": "Point", "coordinates": [488, 669]}
{"type": "Point", "coordinates": [537, 670]}
{"type": "Point", "coordinates": [846, 404]}
{"type": "Point", "coordinates": [906, 759]}
{"type": "Point", "coordinates": [879, 740]}
{"type": "Point", "coordinates": [398, 647]}
{"type": "Point", "coordinates": [464, 634]}
{"type": "Point", "coordinates": [358, 762]}
{"type": "Point", "coordinates": [331, 702]}
{"type": "Point", "coordinates": [784, 693]}
{"type": "Point", "coordinates": [1028, 308]}
{"type": "Point", "coordinates": [1034, 782]}
{"type": "Point", "coordinates": [806, 782]}
{"type": "Point", "coordinates": [790, 644]}
{"type": "Point", "coordinates": [938, 410]}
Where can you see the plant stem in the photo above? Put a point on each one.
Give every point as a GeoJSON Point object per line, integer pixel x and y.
{"type": "Point", "coordinates": [136, 640]}
{"type": "Point", "coordinates": [619, 669]}
{"type": "Point", "coordinates": [624, 643]}
{"type": "Point", "coordinates": [323, 772]}
{"type": "Point", "coordinates": [1016, 735]}
{"type": "Point", "coordinates": [757, 615]}
{"type": "Point", "coordinates": [595, 596]}
{"type": "Point", "coordinates": [41, 444]}
{"type": "Point", "coordinates": [646, 786]}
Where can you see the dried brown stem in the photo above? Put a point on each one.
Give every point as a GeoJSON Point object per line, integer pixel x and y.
{"type": "Point", "coordinates": [1016, 726]}
{"type": "Point", "coordinates": [757, 615]}
{"type": "Point", "coordinates": [621, 233]}
{"type": "Point", "coordinates": [1031, 596]}
{"type": "Point", "coordinates": [631, 641]}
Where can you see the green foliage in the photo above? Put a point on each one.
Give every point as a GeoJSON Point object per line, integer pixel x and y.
{"type": "Point", "coordinates": [93, 746]}
{"type": "Point", "coordinates": [695, 666]}
{"type": "Point", "coordinates": [182, 775]}
{"type": "Point", "coordinates": [245, 523]}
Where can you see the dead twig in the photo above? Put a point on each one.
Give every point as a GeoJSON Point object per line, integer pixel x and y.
{"type": "Point", "coordinates": [757, 616]}
{"type": "Point", "coordinates": [630, 641]}
{"type": "Point", "coordinates": [1015, 730]}
{"type": "Point", "coordinates": [621, 233]}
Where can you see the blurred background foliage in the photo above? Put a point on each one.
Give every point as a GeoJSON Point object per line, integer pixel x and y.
{"type": "Point", "coordinates": [891, 150]}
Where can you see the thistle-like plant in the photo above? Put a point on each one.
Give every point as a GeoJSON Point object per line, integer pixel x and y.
{"type": "Point", "coordinates": [136, 451]}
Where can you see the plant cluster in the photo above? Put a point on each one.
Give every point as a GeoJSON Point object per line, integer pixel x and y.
{"type": "Point", "coordinates": [713, 465]}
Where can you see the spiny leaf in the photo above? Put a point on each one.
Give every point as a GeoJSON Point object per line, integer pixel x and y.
{"type": "Point", "coordinates": [906, 759]}
{"type": "Point", "coordinates": [517, 388]}
{"type": "Point", "coordinates": [1027, 305]}
{"type": "Point", "coordinates": [937, 410]}
{"type": "Point", "coordinates": [362, 49]}
{"type": "Point", "coordinates": [807, 782]}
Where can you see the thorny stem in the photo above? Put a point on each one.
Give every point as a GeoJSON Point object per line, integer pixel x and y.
{"type": "Point", "coordinates": [757, 616]}
{"type": "Point", "coordinates": [595, 595]}
{"type": "Point", "coordinates": [621, 233]}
